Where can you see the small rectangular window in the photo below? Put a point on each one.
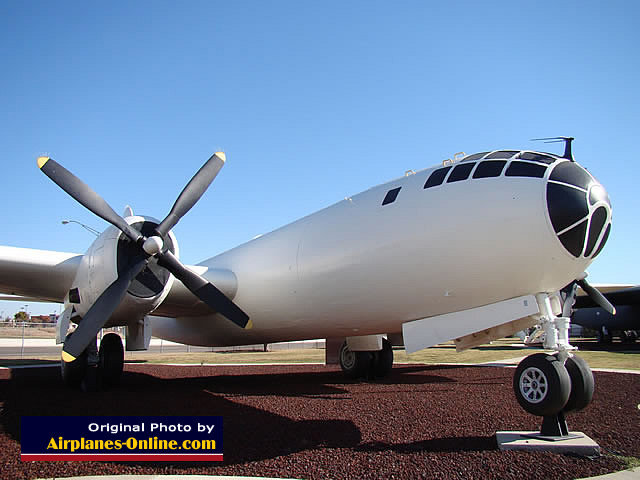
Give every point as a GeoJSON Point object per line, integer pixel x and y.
{"type": "Point", "coordinates": [525, 169]}
{"type": "Point", "coordinates": [502, 154]}
{"type": "Point", "coordinates": [437, 177]}
{"type": "Point", "coordinates": [489, 168]}
{"type": "Point", "coordinates": [460, 172]}
{"type": "Point", "coordinates": [391, 196]}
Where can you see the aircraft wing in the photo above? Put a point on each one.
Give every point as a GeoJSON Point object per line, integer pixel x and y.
{"type": "Point", "coordinates": [605, 288]}
{"type": "Point", "coordinates": [46, 276]}
{"type": "Point", "coordinates": [37, 274]}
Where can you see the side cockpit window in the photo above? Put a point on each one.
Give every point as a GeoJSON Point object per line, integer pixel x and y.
{"type": "Point", "coordinates": [502, 154]}
{"type": "Point", "coordinates": [460, 172]}
{"type": "Point", "coordinates": [391, 196]}
{"type": "Point", "coordinates": [475, 156]}
{"type": "Point", "coordinates": [489, 168]}
{"type": "Point", "coordinates": [437, 177]}
{"type": "Point", "coordinates": [525, 169]}
{"type": "Point", "coordinates": [537, 157]}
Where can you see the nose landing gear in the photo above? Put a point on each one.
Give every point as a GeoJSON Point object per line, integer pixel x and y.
{"type": "Point", "coordinates": [553, 385]}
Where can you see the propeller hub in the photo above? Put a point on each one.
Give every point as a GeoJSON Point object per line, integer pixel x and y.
{"type": "Point", "coordinates": [153, 245]}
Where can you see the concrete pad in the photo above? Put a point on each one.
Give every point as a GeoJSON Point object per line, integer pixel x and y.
{"type": "Point", "coordinates": [580, 444]}
{"type": "Point", "coordinates": [632, 474]}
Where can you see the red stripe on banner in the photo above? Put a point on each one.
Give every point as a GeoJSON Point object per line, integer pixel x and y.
{"type": "Point", "coordinates": [123, 457]}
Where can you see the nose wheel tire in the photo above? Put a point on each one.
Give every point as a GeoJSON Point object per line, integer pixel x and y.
{"type": "Point", "coordinates": [111, 355]}
{"type": "Point", "coordinates": [542, 384]}
{"type": "Point", "coordinates": [582, 384]}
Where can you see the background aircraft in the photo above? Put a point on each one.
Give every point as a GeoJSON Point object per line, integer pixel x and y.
{"type": "Point", "coordinates": [470, 250]}
{"type": "Point", "coordinates": [625, 324]}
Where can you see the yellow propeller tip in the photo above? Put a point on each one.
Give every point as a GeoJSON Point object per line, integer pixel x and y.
{"type": "Point", "coordinates": [67, 357]}
{"type": "Point", "coordinates": [249, 325]}
{"type": "Point", "coordinates": [221, 156]}
{"type": "Point", "coordinates": [42, 161]}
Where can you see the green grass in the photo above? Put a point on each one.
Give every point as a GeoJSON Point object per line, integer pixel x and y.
{"type": "Point", "coordinates": [303, 355]}
{"type": "Point", "coordinates": [630, 462]}
{"type": "Point", "coordinates": [501, 350]}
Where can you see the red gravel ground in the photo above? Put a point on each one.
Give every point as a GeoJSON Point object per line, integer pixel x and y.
{"type": "Point", "coordinates": [309, 422]}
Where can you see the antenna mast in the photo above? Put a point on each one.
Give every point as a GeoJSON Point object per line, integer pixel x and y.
{"type": "Point", "coordinates": [567, 145]}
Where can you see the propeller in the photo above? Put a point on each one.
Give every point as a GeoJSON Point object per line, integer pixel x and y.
{"type": "Point", "coordinates": [593, 293]}
{"type": "Point", "coordinates": [596, 296]}
{"type": "Point", "coordinates": [106, 304]}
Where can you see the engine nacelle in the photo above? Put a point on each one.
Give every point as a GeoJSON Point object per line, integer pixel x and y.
{"type": "Point", "coordinates": [99, 268]}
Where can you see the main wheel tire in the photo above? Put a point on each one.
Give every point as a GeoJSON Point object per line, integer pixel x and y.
{"type": "Point", "coordinates": [582, 384]}
{"type": "Point", "coordinates": [542, 384]}
{"type": "Point", "coordinates": [354, 364]}
{"type": "Point", "coordinates": [383, 360]}
{"type": "Point", "coordinates": [73, 372]}
{"type": "Point", "coordinates": [111, 355]}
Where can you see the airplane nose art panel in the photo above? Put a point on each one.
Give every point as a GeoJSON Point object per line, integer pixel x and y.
{"type": "Point", "coordinates": [579, 209]}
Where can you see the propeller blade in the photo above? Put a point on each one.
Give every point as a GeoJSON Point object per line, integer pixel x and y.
{"type": "Point", "coordinates": [82, 193]}
{"type": "Point", "coordinates": [204, 290]}
{"type": "Point", "coordinates": [569, 300]}
{"type": "Point", "coordinates": [100, 312]}
{"type": "Point", "coordinates": [597, 297]}
{"type": "Point", "coordinates": [192, 192]}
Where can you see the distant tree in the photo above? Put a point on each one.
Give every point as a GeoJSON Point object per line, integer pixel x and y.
{"type": "Point", "coordinates": [21, 316]}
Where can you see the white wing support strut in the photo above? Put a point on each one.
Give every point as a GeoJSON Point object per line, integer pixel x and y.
{"type": "Point", "coordinates": [427, 332]}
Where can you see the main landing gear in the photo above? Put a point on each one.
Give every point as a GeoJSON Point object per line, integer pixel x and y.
{"type": "Point", "coordinates": [376, 364]}
{"type": "Point", "coordinates": [94, 367]}
{"type": "Point", "coordinates": [552, 385]}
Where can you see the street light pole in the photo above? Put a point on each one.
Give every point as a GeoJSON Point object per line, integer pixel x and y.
{"type": "Point", "coordinates": [26, 310]}
{"type": "Point", "coordinates": [86, 227]}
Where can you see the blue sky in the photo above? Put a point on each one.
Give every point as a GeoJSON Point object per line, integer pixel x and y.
{"type": "Point", "coordinates": [311, 101]}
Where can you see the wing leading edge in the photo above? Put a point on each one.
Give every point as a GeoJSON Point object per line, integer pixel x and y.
{"type": "Point", "coordinates": [43, 274]}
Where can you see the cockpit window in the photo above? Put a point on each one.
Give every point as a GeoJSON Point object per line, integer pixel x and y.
{"type": "Point", "coordinates": [537, 157]}
{"type": "Point", "coordinates": [489, 168]}
{"type": "Point", "coordinates": [475, 156]}
{"type": "Point", "coordinates": [391, 196]}
{"type": "Point", "coordinates": [437, 177]}
{"type": "Point", "coordinates": [502, 154]}
{"type": "Point", "coordinates": [525, 169]}
{"type": "Point", "coordinates": [460, 172]}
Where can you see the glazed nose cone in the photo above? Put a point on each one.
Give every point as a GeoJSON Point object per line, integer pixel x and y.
{"type": "Point", "coordinates": [579, 209]}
